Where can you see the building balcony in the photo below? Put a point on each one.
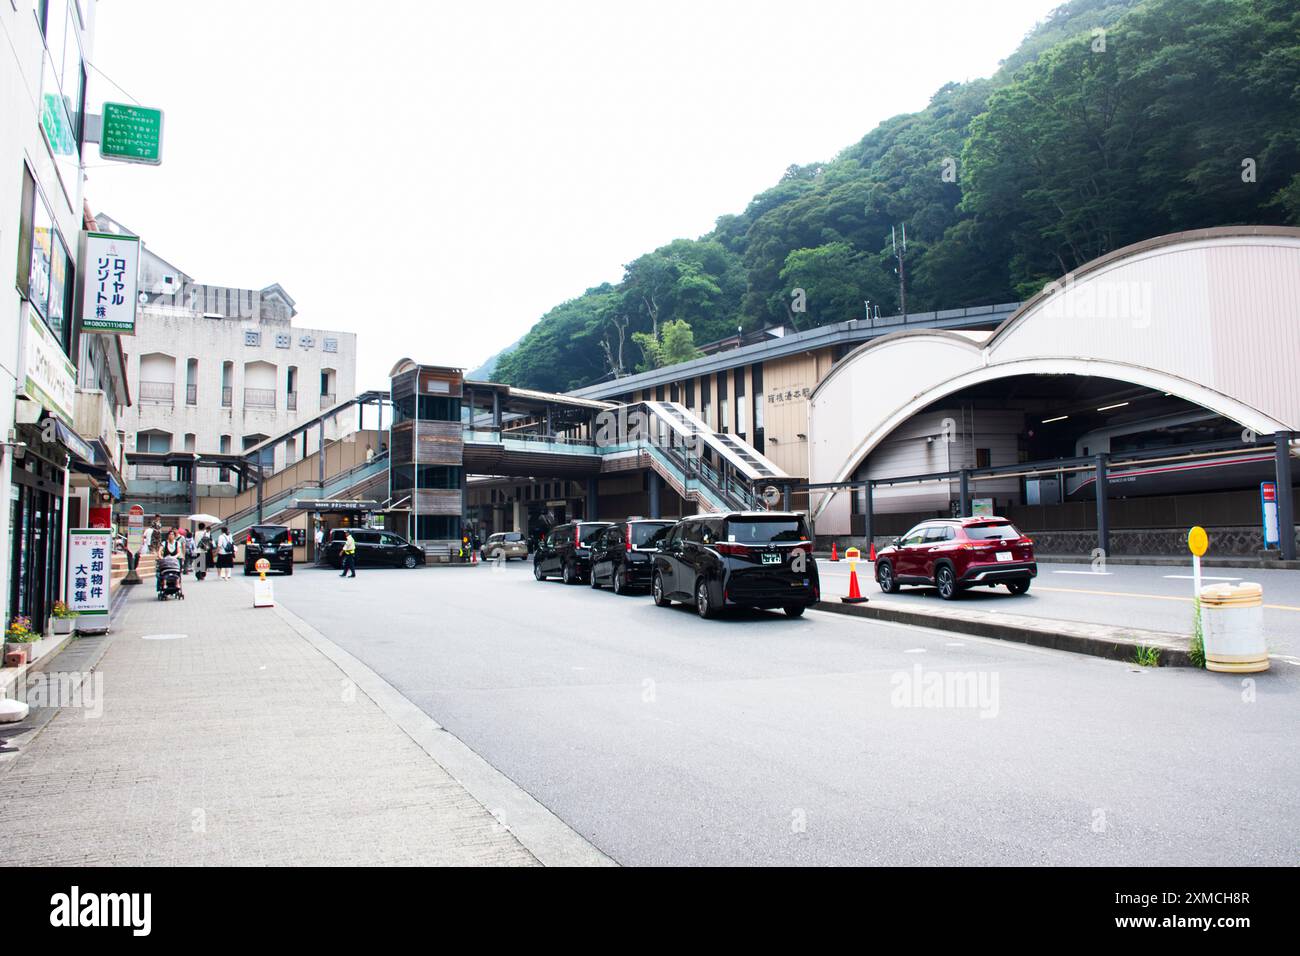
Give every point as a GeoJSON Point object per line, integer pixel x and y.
{"type": "Point", "coordinates": [94, 420]}
{"type": "Point", "coordinates": [259, 398]}
{"type": "Point", "coordinates": [158, 393]}
{"type": "Point", "coordinates": [153, 472]}
{"type": "Point", "coordinates": [291, 401]}
{"type": "Point", "coordinates": [227, 396]}
{"type": "Point", "coordinates": [191, 394]}
{"type": "Point", "coordinates": [327, 400]}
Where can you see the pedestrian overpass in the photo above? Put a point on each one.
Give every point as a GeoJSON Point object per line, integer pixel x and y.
{"type": "Point", "coordinates": [505, 433]}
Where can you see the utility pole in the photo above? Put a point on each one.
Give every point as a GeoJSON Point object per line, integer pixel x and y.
{"type": "Point", "coordinates": [900, 253]}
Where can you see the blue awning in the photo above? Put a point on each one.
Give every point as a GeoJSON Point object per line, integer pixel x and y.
{"type": "Point", "coordinates": [74, 443]}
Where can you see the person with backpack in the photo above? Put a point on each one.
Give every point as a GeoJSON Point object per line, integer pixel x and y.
{"type": "Point", "coordinates": [202, 545]}
{"type": "Point", "coordinates": [225, 554]}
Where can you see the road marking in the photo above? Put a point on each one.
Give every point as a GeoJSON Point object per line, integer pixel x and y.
{"type": "Point", "coordinates": [1204, 577]}
{"type": "Point", "coordinates": [1149, 597]}
{"type": "Point", "coordinates": [1095, 573]}
{"type": "Point", "coordinates": [915, 650]}
{"type": "Point", "coordinates": [954, 644]}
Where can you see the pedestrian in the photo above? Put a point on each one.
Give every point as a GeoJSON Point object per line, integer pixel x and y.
{"type": "Point", "coordinates": [349, 557]}
{"type": "Point", "coordinates": [370, 455]}
{"type": "Point", "coordinates": [225, 554]}
{"type": "Point", "coordinates": [320, 540]}
{"type": "Point", "coordinates": [146, 539]}
{"type": "Point", "coordinates": [202, 545]}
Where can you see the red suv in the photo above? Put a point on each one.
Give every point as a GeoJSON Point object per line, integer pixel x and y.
{"type": "Point", "coordinates": [953, 554]}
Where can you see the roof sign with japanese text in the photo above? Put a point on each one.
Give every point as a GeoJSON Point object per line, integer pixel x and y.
{"type": "Point", "coordinates": [132, 134]}
{"type": "Point", "coordinates": [110, 266]}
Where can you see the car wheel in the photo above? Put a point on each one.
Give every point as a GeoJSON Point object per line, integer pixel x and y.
{"type": "Point", "coordinates": [288, 571]}
{"type": "Point", "coordinates": [537, 571]}
{"type": "Point", "coordinates": [885, 577]}
{"type": "Point", "coordinates": [1018, 587]}
{"type": "Point", "coordinates": [657, 591]}
{"type": "Point", "coordinates": [592, 581]}
{"type": "Point", "coordinates": [795, 610]}
{"type": "Point", "coordinates": [619, 583]}
{"type": "Point", "coordinates": [248, 572]}
{"type": "Point", "coordinates": [409, 561]}
{"type": "Point", "coordinates": [946, 582]}
{"type": "Point", "coordinates": [703, 605]}
{"type": "Point", "coordinates": [570, 575]}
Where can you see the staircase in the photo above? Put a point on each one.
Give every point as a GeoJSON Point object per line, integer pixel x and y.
{"type": "Point", "coordinates": [346, 485]}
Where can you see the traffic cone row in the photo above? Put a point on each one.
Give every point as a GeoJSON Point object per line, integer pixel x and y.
{"type": "Point", "coordinates": [835, 552]}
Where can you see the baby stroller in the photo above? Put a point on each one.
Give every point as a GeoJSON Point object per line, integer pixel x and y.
{"type": "Point", "coordinates": [169, 579]}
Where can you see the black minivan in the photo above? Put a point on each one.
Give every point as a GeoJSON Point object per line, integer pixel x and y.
{"type": "Point", "coordinates": [760, 559]}
{"type": "Point", "coordinates": [270, 541]}
{"type": "Point", "coordinates": [621, 555]}
{"type": "Point", "coordinates": [374, 547]}
{"type": "Point", "coordinates": [566, 551]}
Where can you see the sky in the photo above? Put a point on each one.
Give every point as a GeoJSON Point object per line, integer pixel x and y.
{"type": "Point", "coordinates": [436, 176]}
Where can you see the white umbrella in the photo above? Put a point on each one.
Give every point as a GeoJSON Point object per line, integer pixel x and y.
{"type": "Point", "coordinates": [205, 519]}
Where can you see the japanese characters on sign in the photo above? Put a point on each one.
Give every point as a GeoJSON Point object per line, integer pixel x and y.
{"type": "Point", "coordinates": [780, 396]}
{"type": "Point", "coordinates": [131, 134]}
{"type": "Point", "coordinates": [90, 576]}
{"type": "Point", "coordinates": [109, 268]}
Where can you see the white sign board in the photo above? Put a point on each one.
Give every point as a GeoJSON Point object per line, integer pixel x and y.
{"type": "Point", "coordinates": [981, 507]}
{"type": "Point", "coordinates": [46, 376]}
{"type": "Point", "coordinates": [90, 576]}
{"type": "Point", "coordinates": [110, 266]}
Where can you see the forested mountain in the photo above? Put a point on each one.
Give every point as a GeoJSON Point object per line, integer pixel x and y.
{"type": "Point", "coordinates": [1114, 121]}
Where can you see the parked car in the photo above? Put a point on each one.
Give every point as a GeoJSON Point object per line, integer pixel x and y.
{"type": "Point", "coordinates": [622, 554]}
{"type": "Point", "coordinates": [509, 544]}
{"type": "Point", "coordinates": [270, 541]}
{"type": "Point", "coordinates": [374, 547]}
{"type": "Point", "coordinates": [953, 554]}
{"type": "Point", "coordinates": [760, 559]}
{"type": "Point", "coordinates": [566, 551]}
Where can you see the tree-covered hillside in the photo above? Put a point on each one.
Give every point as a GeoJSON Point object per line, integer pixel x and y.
{"type": "Point", "coordinates": [1114, 121]}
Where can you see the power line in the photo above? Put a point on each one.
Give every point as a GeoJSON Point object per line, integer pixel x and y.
{"type": "Point", "coordinates": [114, 82]}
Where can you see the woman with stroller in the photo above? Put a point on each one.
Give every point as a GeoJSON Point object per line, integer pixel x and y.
{"type": "Point", "coordinates": [170, 557]}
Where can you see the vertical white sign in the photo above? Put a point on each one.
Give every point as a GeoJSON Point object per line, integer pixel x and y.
{"type": "Point", "coordinates": [110, 266]}
{"type": "Point", "coordinates": [90, 576]}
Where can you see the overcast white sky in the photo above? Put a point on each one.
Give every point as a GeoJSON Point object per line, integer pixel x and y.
{"type": "Point", "coordinates": [435, 176]}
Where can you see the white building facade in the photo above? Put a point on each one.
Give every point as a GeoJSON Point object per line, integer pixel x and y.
{"type": "Point", "coordinates": [60, 390]}
{"type": "Point", "coordinates": [218, 370]}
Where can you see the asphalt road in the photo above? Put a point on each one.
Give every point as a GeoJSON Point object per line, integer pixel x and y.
{"type": "Point", "coordinates": [1152, 598]}
{"type": "Point", "coordinates": [756, 739]}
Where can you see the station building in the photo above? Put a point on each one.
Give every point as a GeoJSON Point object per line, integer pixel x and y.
{"type": "Point", "coordinates": [1174, 360]}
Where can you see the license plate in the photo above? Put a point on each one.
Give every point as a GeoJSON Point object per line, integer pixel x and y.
{"type": "Point", "coordinates": [1004, 555]}
{"type": "Point", "coordinates": [771, 559]}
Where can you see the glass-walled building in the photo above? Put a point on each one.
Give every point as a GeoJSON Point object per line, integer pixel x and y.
{"type": "Point", "coordinates": [426, 451]}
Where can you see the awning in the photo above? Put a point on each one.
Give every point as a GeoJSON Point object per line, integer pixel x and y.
{"type": "Point", "coordinates": [73, 442]}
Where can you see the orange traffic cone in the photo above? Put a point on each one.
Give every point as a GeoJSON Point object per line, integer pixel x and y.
{"type": "Point", "coordinates": [855, 593]}
{"type": "Point", "coordinates": [473, 556]}
{"type": "Point", "coordinates": [872, 556]}
{"type": "Point", "coordinates": [835, 551]}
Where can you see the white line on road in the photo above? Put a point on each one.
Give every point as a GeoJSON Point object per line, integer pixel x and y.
{"type": "Point", "coordinates": [915, 650]}
{"type": "Point", "coordinates": [1204, 577]}
{"type": "Point", "coordinates": [1092, 573]}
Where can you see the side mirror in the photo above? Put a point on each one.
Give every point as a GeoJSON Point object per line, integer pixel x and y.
{"type": "Point", "coordinates": [898, 542]}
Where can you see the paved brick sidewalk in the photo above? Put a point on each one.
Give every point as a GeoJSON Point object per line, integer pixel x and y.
{"type": "Point", "coordinates": [239, 743]}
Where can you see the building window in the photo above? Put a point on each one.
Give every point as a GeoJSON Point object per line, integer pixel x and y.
{"type": "Point", "coordinates": [283, 340]}
{"type": "Point", "coordinates": [331, 345]}
{"type": "Point", "coordinates": [983, 458]}
{"type": "Point", "coordinates": [252, 337]}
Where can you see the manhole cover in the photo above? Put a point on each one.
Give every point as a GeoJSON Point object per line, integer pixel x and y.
{"type": "Point", "coordinates": [163, 637]}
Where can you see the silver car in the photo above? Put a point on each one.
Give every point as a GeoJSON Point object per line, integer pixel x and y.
{"type": "Point", "coordinates": [508, 544]}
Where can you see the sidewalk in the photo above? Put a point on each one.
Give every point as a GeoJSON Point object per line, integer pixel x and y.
{"type": "Point", "coordinates": [237, 743]}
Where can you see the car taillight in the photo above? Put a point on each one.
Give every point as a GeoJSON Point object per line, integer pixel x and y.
{"type": "Point", "coordinates": [735, 550]}
{"type": "Point", "coordinates": [577, 537]}
{"type": "Point", "coordinates": [627, 544]}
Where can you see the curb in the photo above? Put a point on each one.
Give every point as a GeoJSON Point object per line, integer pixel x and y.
{"type": "Point", "coordinates": [1158, 561]}
{"type": "Point", "coordinates": [548, 838]}
{"type": "Point", "coordinates": [1118, 644]}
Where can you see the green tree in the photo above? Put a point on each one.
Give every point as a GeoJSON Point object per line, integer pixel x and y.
{"type": "Point", "coordinates": [675, 343]}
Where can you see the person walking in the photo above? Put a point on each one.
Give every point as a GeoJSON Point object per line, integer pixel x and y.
{"type": "Point", "coordinates": [225, 554]}
{"type": "Point", "coordinates": [349, 557]}
{"type": "Point", "coordinates": [202, 545]}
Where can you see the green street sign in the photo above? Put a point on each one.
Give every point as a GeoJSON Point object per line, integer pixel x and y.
{"type": "Point", "coordinates": [131, 134]}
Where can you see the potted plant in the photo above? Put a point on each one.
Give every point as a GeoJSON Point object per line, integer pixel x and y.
{"type": "Point", "coordinates": [65, 618]}
{"type": "Point", "coordinates": [19, 636]}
